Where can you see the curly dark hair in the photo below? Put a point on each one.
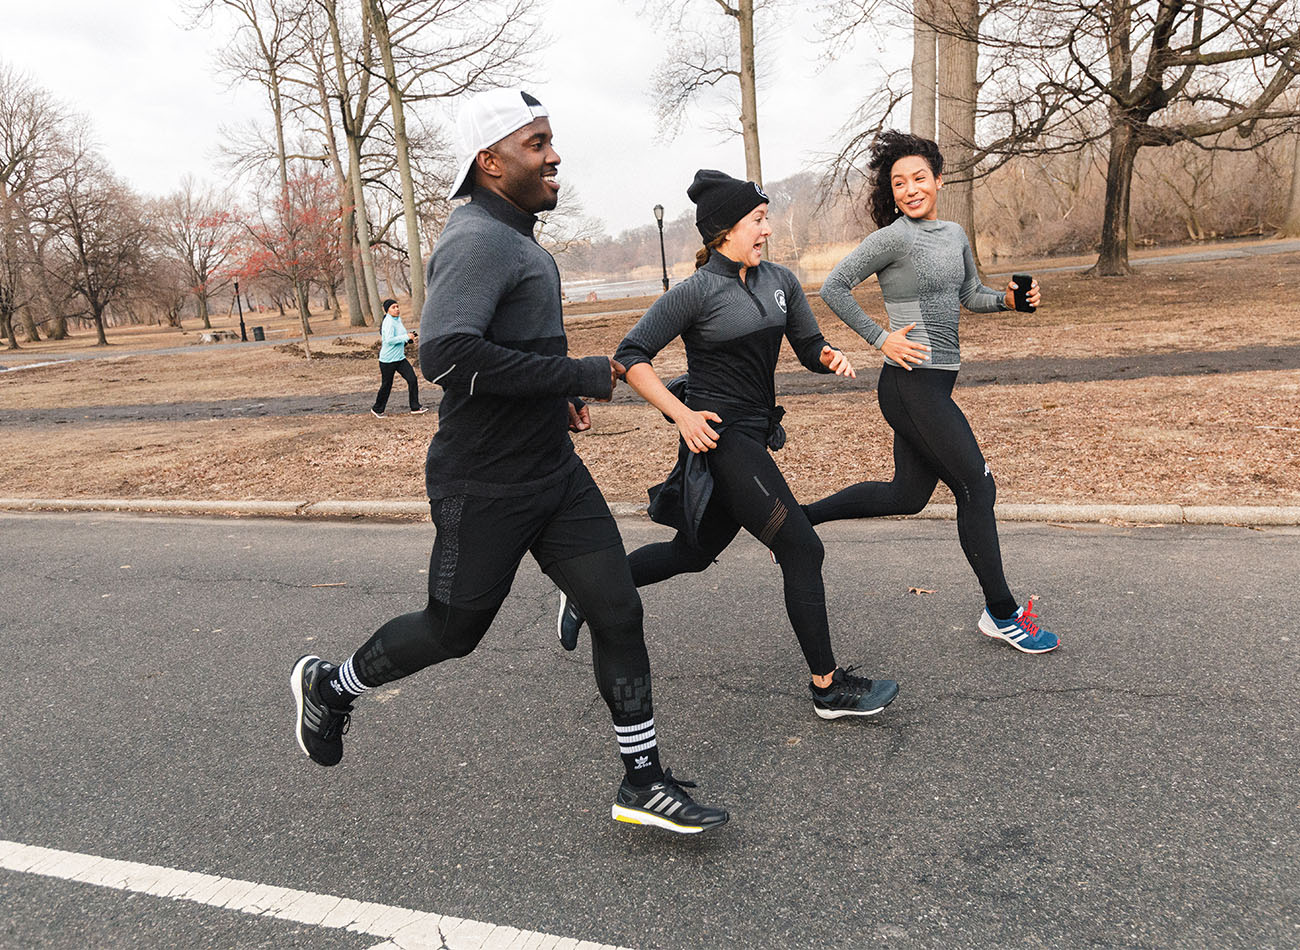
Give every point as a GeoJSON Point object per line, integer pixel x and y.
{"type": "Point", "coordinates": [889, 147]}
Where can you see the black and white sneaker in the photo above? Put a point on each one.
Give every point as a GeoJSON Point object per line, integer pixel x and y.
{"type": "Point", "coordinates": [850, 695]}
{"type": "Point", "coordinates": [665, 804]}
{"type": "Point", "coordinates": [320, 727]}
{"type": "Point", "coordinates": [569, 622]}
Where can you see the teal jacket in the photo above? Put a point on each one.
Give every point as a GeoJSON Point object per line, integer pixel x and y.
{"type": "Point", "coordinates": [392, 337]}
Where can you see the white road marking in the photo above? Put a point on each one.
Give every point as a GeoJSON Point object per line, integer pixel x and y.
{"type": "Point", "coordinates": [400, 927]}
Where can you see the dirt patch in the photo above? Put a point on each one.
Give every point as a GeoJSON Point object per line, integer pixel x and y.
{"type": "Point", "coordinates": [1181, 385]}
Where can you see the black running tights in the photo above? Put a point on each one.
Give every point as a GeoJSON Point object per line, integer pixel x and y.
{"type": "Point", "coordinates": [599, 581]}
{"type": "Point", "coordinates": [750, 492]}
{"type": "Point", "coordinates": [932, 441]}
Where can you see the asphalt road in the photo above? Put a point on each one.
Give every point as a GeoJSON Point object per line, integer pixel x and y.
{"type": "Point", "coordinates": [1137, 788]}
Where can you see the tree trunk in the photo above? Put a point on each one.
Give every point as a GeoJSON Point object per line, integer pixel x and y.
{"type": "Point", "coordinates": [356, 312]}
{"type": "Point", "coordinates": [98, 319]}
{"type": "Point", "coordinates": [304, 309]}
{"type": "Point", "coordinates": [958, 92]}
{"type": "Point", "coordinates": [379, 23]}
{"type": "Point", "coordinates": [748, 94]}
{"type": "Point", "coordinates": [925, 66]}
{"type": "Point", "coordinates": [7, 328]}
{"type": "Point", "coordinates": [203, 311]}
{"type": "Point", "coordinates": [28, 324]}
{"type": "Point", "coordinates": [1112, 261]}
{"type": "Point", "coordinates": [1291, 224]}
{"type": "Point", "coordinates": [352, 136]}
{"type": "Point", "coordinates": [335, 306]}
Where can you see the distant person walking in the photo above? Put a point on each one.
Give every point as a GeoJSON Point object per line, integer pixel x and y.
{"type": "Point", "coordinates": [392, 359]}
{"type": "Point", "coordinates": [927, 274]}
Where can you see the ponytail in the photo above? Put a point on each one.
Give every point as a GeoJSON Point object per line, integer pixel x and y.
{"type": "Point", "coordinates": [702, 255]}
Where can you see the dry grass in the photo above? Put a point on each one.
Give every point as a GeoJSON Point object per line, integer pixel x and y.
{"type": "Point", "coordinates": [1227, 438]}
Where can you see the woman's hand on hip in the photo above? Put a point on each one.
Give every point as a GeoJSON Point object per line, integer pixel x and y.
{"type": "Point", "coordinates": [837, 362]}
{"type": "Point", "coordinates": [696, 432]}
{"type": "Point", "coordinates": [902, 350]}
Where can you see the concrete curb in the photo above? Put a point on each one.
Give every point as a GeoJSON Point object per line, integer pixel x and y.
{"type": "Point", "coordinates": [340, 508]}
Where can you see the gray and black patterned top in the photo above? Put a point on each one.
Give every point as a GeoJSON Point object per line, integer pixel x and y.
{"type": "Point", "coordinates": [732, 331]}
{"type": "Point", "coordinates": [492, 336]}
{"type": "Point", "coordinates": [927, 274]}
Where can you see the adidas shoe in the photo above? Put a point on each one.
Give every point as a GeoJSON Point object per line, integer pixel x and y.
{"type": "Point", "coordinates": [850, 695]}
{"type": "Point", "coordinates": [1021, 631]}
{"type": "Point", "coordinates": [419, 410]}
{"type": "Point", "coordinates": [320, 727]}
{"type": "Point", "coordinates": [665, 804]}
{"type": "Point", "coordinates": [569, 622]}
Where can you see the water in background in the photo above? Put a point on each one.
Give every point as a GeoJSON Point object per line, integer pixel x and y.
{"type": "Point", "coordinates": [577, 290]}
{"type": "Point", "coordinates": [612, 289]}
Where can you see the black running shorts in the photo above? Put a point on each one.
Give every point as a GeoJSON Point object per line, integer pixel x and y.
{"type": "Point", "coordinates": [481, 540]}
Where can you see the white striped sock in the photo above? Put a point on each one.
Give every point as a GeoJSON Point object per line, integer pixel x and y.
{"type": "Point", "coordinates": [636, 738]}
{"type": "Point", "coordinates": [348, 679]}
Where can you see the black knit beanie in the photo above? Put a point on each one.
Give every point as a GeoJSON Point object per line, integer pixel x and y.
{"type": "Point", "coordinates": [721, 201]}
{"type": "Point", "coordinates": [387, 303]}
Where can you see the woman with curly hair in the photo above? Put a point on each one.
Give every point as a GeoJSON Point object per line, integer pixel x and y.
{"type": "Point", "coordinates": [927, 274]}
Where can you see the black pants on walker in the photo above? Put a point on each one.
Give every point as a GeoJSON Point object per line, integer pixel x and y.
{"type": "Point", "coordinates": [932, 441]}
{"type": "Point", "coordinates": [750, 492]}
{"type": "Point", "coordinates": [568, 528]}
{"type": "Point", "coordinates": [404, 369]}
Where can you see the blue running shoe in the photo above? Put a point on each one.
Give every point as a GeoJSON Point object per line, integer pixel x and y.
{"type": "Point", "coordinates": [1021, 631]}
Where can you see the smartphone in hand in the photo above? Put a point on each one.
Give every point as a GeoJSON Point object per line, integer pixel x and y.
{"type": "Point", "coordinates": [1023, 282]}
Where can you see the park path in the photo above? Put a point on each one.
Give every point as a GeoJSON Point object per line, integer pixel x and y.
{"type": "Point", "coordinates": [1011, 372]}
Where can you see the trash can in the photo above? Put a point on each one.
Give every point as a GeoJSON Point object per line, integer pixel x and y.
{"type": "Point", "coordinates": [259, 333]}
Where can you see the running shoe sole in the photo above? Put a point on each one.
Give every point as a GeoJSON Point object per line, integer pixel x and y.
{"type": "Point", "coordinates": [559, 624]}
{"type": "Point", "coordinates": [637, 816]}
{"type": "Point", "coordinates": [996, 634]}
{"type": "Point", "coordinates": [295, 684]}
{"type": "Point", "coordinates": [841, 713]}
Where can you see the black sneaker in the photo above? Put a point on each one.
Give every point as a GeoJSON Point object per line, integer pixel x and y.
{"type": "Point", "coordinates": [665, 804]}
{"type": "Point", "coordinates": [569, 622]}
{"type": "Point", "coordinates": [320, 727]}
{"type": "Point", "coordinates": [851, 695]}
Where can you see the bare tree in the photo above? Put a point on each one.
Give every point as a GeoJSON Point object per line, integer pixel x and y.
{"type": "Point", "coordinates": [702, 60]}
{"type": "Point", "coordinates": [1154, 73]}
{"type": "Point", "coordinates": [432, 49]}
{"type": "Point", "coordinates": [201, 233]}
{"type": "Point", "coordinates": [31, 126]}
{"type": "Point", "coordinates": [266, 42]}
{"type": "Point", "coordinates": [97, 230]}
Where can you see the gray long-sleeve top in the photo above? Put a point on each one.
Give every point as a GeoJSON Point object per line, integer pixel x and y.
{"type": "Point", "coordinates": [492, 336]}
{"type": "Point", "coordinates": [927, 274]}
{"type": "Point", "coordinates": [732, 330]}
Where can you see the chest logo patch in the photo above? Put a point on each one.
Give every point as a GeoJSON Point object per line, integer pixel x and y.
{"type": "Point", "coordinates": [780, 300]}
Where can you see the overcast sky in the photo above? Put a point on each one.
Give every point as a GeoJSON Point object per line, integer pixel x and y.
{"type": "Point", "coordinates": [150, 89]}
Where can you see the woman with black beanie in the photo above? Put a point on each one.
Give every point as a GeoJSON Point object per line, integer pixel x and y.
{"type": "Point", "coordinates": [927, 274]}
{"type": "Point", "coordinates": [732, 314]}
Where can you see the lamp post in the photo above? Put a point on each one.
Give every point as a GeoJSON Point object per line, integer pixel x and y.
{"type": "Point", "coordinates": [663, 259]}
{"type": "Point", "coordinates": [243, 333]}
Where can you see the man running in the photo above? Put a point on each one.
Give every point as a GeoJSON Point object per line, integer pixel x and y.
{"type": "Point", "coordinates": [502, 476]}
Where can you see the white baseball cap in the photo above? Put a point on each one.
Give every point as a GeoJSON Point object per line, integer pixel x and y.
{"type": "Point", "coordinates": [484, 120]}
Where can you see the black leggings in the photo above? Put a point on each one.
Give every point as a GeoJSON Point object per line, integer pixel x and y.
{"type": "Point", "coordinates": [386, 371]}
{"type": "Point", "coordinates": [480, 543]}
{"type": "Point", "coordinates": [750, 492]}
{"type": "Point", "coordinates": [932, 441]}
